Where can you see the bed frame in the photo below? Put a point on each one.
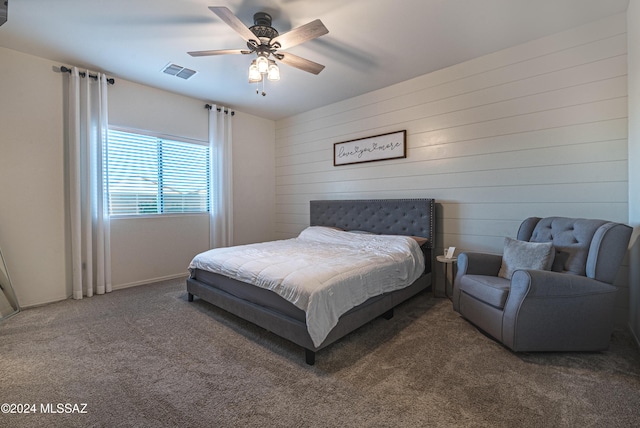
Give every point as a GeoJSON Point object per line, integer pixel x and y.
{"type": "Point", "coordinates": [412, 217]}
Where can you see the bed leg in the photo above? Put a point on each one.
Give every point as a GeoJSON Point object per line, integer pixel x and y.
{"type": "Point", "coordinates": [388, 315]}
{"type": "Point", "coordinates": [309, 357]}
{"type": "Point", "coordinates": [190, 297]}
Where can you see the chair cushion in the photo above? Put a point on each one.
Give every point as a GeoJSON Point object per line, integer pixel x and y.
{"type": "Point", "coordinates": [525, 255]}
{"type": "Point", "coordinates": [492, 290]}
{"type": "Point", "coordinates": [559, 261]}
{"type": "Point", "coordinates": [569, 235]}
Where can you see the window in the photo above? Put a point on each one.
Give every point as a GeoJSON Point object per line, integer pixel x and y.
{"type": "Point", "coordinates": [149, 174]}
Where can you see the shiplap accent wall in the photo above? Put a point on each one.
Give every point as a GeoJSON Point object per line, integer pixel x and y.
{"type": "Point", "coordinates": [539, 129]}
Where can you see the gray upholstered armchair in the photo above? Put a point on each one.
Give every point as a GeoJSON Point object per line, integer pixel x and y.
{"type": "Point", "coordinates": [564, 303]}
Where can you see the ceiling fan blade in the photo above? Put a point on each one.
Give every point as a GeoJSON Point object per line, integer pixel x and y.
{"type": "Point", "coordinates": [219, 52]}
{"type": "Point", "coordinates": [301, 34]}
{"type": "Point", "coordinates": [232, 21]}
{"type": "Point", "coordinates": [301, 63]}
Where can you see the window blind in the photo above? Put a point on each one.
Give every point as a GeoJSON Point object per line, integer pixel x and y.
{"type": "Point", "coordinates": [148, 174]}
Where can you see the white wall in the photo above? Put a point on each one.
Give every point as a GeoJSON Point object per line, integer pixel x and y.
{"type": "Point", "coordinates": [254, 182]}
{"type": "Point", "coordinates": [633, 18]}
{"type": "Point", "coordinates": [32, 195]}
{"type": "Point", "coordinates": [154, 248]}
{"type": "Point", "coordinates": [535, 130]}
{"type": "Point", "coordinates": [33, 234]}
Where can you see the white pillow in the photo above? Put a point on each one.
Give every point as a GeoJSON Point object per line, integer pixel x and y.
{"type": "Point", "coordinates": [525, 255]}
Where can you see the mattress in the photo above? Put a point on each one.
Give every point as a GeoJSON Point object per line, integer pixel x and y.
{"type": "Point", "coordinates": [323, 272]}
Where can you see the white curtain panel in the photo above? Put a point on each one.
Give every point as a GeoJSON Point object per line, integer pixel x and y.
{"type": "Point", "coordinates": [221, 202]}
{"type": "Point", "coordinates": [89, 218]}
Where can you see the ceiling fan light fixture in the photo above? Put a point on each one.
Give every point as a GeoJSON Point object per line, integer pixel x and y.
{"type": "Point", "coordinates": [262, 63]}
{"type": "Point", "coordinates": [254, 74]}
{"type": "Point", "coordinates": [274, 71]}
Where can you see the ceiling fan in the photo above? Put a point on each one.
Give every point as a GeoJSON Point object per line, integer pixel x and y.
{"type": "Point", "coordinates": [265, 41]}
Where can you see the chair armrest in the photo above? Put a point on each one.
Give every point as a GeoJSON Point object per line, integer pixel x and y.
{"type": "Point", "coordinates": [474, 264]}
{"type": "Point", "coordinates": [479, 264]}
{"type": "Point", "coordinates": [553, 311]}
{"type": "Point", "coordinates": [547, 284]}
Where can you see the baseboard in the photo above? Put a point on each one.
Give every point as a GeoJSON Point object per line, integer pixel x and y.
{"type": "Point", "coordinates": [113, 287]}
{"type": "Point", "coordinates": [149, 281]}
{"type": "Point", "coordinates": [44, 303]}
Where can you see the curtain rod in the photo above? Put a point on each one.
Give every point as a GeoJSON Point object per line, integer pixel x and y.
{"type": "Point", "coordinates": [64, 69]}
{"type": "Point", "coordinates": [226, 111]}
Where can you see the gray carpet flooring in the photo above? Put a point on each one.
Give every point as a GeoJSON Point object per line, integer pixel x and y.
{"type": "Point", "coordinates": [145, 357]}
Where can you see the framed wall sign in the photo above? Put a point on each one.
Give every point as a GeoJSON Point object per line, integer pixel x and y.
{"type": "Point", "coordinates": [379, 147]}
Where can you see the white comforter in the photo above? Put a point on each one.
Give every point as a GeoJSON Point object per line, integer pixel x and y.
{"type": "Point", "coordinates": [323, 271]}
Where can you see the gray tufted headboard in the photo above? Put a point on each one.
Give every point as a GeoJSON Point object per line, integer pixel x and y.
{"type": "Point", "coordinates": [384, 216]}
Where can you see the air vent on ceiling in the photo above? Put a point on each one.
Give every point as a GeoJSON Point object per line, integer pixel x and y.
{"type": "Point", "coordinates": [178, 71]}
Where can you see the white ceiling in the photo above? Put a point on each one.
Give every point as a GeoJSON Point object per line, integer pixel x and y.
{"type": "Point", "coordinates": [371, 43]}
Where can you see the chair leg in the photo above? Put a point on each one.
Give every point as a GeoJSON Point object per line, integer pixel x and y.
{"type": "Point", "coordinates": [309, 357]}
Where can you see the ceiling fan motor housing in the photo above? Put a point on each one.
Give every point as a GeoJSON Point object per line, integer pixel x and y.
{"type": "Point", "coordinates": [262, 28]}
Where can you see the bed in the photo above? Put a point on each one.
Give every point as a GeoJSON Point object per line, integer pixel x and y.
{"type": "Point", "coordinates": [267, 309]}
